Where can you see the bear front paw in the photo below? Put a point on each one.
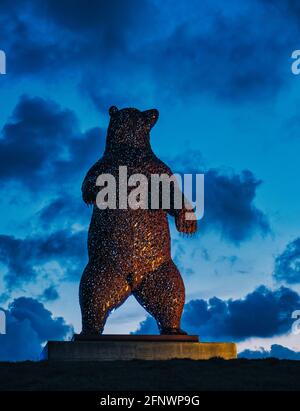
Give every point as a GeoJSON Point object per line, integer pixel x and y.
{"type": "Point", "coordinates": [185, 226]}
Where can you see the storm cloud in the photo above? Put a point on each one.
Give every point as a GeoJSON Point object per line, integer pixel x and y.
{"type": "Point", "coordinates": [42, 145]}
{"type": "Point", "coordinates": [24, 258]}
{"type": "Point", "coordinates": [234, 55]}
{"type": "Point", "coordinates": [28, 325]}
{"type": "Point", "coordinates": [276, 351]}
{"type": "Point", "coordinates": [261, 313]}
{"type": "Point", "coordinates": [229, 199]}
{"type": "Point", "coordinates": [287, 264]}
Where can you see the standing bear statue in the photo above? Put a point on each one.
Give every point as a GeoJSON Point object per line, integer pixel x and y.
{"type": "Point", "coordinates": [129, 248]}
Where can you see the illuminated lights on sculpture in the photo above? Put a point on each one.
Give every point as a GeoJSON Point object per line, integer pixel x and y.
{"type": "Point", "coordinates": [129, 249]}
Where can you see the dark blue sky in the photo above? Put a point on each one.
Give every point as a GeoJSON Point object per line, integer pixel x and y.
{"type": "Point", "coordinates": [220, 75]}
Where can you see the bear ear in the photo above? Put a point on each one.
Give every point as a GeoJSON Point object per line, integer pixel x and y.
{"type": "Point", "coordinates": [113, 110]}
{"type": "Point", "coordinates": [151, 117]}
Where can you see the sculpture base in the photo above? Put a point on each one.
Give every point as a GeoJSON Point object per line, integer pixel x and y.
{"type": "Point", "coordinates": [137, 337]}
{"type": "Point", "coordinates": [136, 347]}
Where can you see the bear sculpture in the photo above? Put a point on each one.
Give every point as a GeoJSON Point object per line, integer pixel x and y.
{"type": "Point", "coordinates": [129, 249]}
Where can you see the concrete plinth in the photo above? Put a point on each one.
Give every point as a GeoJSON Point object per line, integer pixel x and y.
{"type": "Point", "coordinates": [112, 348]}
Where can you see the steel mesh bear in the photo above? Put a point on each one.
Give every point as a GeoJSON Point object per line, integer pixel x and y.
{"type": "Point", "coordinates": [129, 249]}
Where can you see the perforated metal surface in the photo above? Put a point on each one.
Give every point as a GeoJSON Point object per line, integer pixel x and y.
{"type": "Point", "coordinates": [129, 250]}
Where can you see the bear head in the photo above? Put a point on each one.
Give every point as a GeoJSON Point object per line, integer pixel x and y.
{"type": "Point", "coordinates": [130, 127]}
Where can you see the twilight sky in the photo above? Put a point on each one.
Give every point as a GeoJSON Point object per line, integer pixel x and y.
{"type": "Point", "coordinates": [220, 75]}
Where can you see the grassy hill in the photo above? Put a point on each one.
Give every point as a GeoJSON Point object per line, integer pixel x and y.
{"type": "Point", "coordinates": [269, 374]}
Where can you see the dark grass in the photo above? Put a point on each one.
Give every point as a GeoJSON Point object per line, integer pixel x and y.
{"type": "Point", "coordinates": [217, 374]}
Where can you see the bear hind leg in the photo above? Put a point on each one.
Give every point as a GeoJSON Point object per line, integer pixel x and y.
{"type": "Point", "coordinates": [162, 294]}
{"type": "Point", "coordinates": [102, 289]}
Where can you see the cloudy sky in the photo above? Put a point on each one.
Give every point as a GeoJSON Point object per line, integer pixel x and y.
{"type": "Point", "coordinates": [220, 75]}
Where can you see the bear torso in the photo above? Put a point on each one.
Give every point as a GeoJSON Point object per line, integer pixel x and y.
{"type": "Point", "coordinates": [138, 241]}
